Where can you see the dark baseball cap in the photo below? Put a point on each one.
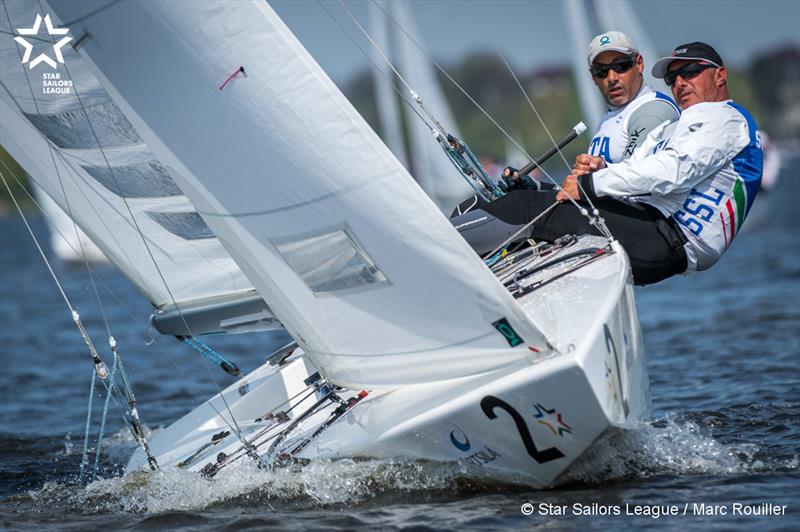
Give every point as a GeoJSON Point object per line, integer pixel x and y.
{"type": "Point", "coordinates": [693, 51]}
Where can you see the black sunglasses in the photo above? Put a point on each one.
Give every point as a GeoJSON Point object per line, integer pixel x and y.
{"type": "Point", "coordinates": [619, 65]}
{"type": "Point", "coordinates": [692, 70]}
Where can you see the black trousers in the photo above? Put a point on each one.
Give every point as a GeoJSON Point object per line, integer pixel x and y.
{"type": "Point", "coordinates": [653, 242]}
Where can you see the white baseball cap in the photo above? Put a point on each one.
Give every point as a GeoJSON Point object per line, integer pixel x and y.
{"type": "Point", "coordinates": [611, 41]}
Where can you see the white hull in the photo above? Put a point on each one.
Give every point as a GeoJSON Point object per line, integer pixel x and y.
{"type": "Point", "coordinates": [525, 424]}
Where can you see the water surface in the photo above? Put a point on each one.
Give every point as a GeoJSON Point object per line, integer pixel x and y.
{"type": "Point", "coordinates": [723, 355]}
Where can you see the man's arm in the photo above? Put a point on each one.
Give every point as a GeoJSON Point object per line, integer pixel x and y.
{"type": "Point", "coordinates": [705, 139]}
{"type": "Point", "coordinates": [644, 119]}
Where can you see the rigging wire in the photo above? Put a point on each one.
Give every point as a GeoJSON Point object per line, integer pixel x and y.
{"type": "Point", "coordinates": [85, 452]}
{"type": "Point", "coordinates": [456, 150]}
{"type": "Point", "coordinates": [235, 426]}
{"type": "Point", "coordinates": [152, 339]}
{"type": "Point", "coordinates": [380, 70]}
{"type": "Point", "coordinates": [98, 363]}
{"type": "Point", "coordinates": [99, 366]}
{"type": "Point", "coordinates": [595, 218]}
{"type": "Point", "coordinates": [533, 107]}
{"type": "Point", "coordinates": [55, 228]}
{"type": "Point", "coordinates": [451, 79]}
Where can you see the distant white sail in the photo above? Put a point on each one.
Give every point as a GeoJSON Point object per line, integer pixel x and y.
{"type": "Point", "coordinates": [385, 96]}
{"type": "Point", "coordinates": [430, 165]}
{"type": "Point", "coordinates": [67, 240]}
{"type": "Point", "coordinates": [580, 33]}
{"type": "Point", "coordinates": [350, 253]}
{"type": "Point", "coordinates": [619, 15]}
{"type": "Point", "coordinates": [102, 162]}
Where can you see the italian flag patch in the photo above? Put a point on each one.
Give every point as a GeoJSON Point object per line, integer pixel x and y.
{"type": "Point", "coordinates": [733, 214]}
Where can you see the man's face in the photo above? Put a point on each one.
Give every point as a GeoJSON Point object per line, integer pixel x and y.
{"type": "Point", "coordinates": [619, 88]}
{"type": "Point", "coordinates": [707, 85]}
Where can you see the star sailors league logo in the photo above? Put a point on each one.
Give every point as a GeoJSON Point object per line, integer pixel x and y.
{"type": "Point", "coordinates": [33, 31]}
{"type": "Point", "coordinates": [552, 419]}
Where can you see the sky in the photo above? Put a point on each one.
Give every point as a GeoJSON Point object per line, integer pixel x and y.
{"type": "Point", "coordinates": [534, 34]}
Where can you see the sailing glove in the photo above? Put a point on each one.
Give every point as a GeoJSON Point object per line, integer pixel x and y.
{"type": "Point", "coordinates": [508, 183]}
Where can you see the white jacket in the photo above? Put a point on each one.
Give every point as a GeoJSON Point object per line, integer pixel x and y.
{"type": "Point", "coordinates": [703, 170]}
{"type": "Point", "coordinates": [623, 129]}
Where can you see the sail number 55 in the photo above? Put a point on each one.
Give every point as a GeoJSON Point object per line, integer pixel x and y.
{"type": "Point", "coordinates": [696, 210]}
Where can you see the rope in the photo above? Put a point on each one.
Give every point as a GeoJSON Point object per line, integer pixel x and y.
{"type": "Point", "coordinates": [595, 218]}
{"type": "Point", "coordinates": [103, 421]}
{"type": "Point", "coordinates": [453, 81]}
{"type": "Point", "coordinates": [212, 355]}
{"type": "Point", "coordinates": [85, 453]}
{"type": "Point", "coordinates": [524, 227]}
{"type": "Point", "coordinates": [380, 71]}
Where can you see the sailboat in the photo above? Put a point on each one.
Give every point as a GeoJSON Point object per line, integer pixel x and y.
{"type": "Point", "coordinates": [216, 164]}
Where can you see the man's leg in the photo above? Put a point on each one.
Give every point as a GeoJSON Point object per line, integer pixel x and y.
{"type": "Point", "coordinates": [654, 246]}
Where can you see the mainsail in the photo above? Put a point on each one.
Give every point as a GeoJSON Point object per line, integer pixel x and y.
{"type": "Point", "coordinates": [351, 255]}
{"type": "Point", "coordinates": [81, 150]}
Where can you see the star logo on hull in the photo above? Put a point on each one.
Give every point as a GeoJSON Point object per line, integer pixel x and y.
{"type": "Point", "coordinates": [552, 419]}
{"type": "Point", "coordinates": [28, 47]}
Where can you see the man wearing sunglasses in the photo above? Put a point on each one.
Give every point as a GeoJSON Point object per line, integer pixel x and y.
{"type": "Point", "coordinates": [676, 204]}
{"type": "Point", "coordinates": [700, 174]}
{"type": "Point", "coordinates": [634, 109]}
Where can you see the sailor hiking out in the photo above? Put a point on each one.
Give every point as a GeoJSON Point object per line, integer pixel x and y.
{"type": "Point", "coordinates": [676, 204]}
{"type": "Point", "coordinates": [634, 109]}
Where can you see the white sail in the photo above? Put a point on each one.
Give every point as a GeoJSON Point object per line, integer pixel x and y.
{"type": "Point", "coordinates": [430, 165]}
{"type": "Point", "coordinates": [382, 79]}
{"type": "Point", "coordinates": [580, 34]}
{"type": "Point", "coordinates": [67, 240]}
{"type": "Point", "coordinates": [87, 157]}
{"type": "Point", "coordinates": [352, 256]}
{"type": "Point", "coordinates": [619, 15]}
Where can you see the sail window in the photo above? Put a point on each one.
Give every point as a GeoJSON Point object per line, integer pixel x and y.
{"type": "Point", "coordinates": [187, 225]}
{"type": "Point", "coordinates": [330, 261]}
{"type": "Point", "coordinates": [71, 129]}
{"type": "Point", "coordinates": [144, 180]}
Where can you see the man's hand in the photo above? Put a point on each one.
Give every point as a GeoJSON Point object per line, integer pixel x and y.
{"type": "Point", "coordinates": [511, 180]}
{"type": "Point", "coordinates": [509, 172]}
{"type": "Point", "coordinates": [586, 164]}
{"type": "Point", "coordinates": [569, 189]}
